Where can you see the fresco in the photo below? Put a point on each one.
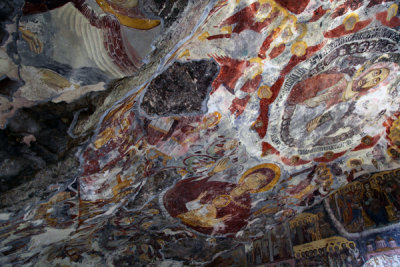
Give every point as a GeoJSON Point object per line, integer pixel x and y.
{"type": "Point", "coordinates": [219, 207]}
{"type": "Point", "coordinates": [348, 94]}
{"type": "Point", "coordinates": [291, 159]}
{"type": "Point", "coordinates": [114, 58]}
{"type": "Point", "coordinates": [367, 203]}
{"type": "Point", "coordinates": [69, 48]}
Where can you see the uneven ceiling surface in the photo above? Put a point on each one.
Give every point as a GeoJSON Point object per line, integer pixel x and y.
{"type": "Point", "coordinates": [199, 133]}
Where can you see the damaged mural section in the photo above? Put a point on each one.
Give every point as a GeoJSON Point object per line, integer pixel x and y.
{"type": "Point", "coordinates": [200, 133]}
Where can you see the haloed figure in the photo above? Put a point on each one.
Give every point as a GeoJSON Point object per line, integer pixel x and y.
{"type": "Point", "coordinates": [333, 88]}
{"type": "Point", "coordinates": [217, 207]}
{"type": "Point", "coordinates": [205, 214]}
{"type": "Point", "coordinates": [108, 33]}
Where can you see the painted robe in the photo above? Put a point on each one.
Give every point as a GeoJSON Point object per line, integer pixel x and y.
{"type": "Point", "coordinates": [185, 191]}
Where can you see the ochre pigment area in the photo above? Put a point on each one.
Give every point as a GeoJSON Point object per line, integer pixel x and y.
{"type": "Point", "coordinates": [200, 133]}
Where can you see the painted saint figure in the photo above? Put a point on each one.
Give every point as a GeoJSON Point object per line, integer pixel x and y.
{"type": "Point", "coordinates": [104, 36]}
{"type": "Point", "coordinates": [317, 182]}
{"type": "Point", "coordinates": [107, 38]}
{"type": "Point", "coordinates": [392, 190]}
{"type": "Point", "coordinates": [334, 88]}
{"type": "Point", "coordinates": [214, 207]}
{"type": "Point", "coordinates": [374, 205]}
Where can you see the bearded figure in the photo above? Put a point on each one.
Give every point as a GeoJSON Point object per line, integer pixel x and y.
{"type": "Point", "coordinates": [330, 89]}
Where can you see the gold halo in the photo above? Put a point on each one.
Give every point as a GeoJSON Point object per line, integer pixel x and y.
{"type": "Point", "coordinates": [271, 166]}
{"type": "Point", "coordinates": [264, 92]}
{"type": "Point", "coordinates": [226, 197]}
{"type": "Point", "coordinates": [348, 25]}
{"type": "Point", "coordinates": [214, 114]}
{"type": "Point", "coordinates": [294, 159]}
{"type": "Point", "coordinates": [350, 160]}
{"type": "Point", "coordinates": [329, 154]}
{"type": "Point", "coordinates": [367, 140]}
{"type": "Point", "coordinates": [135, 23]}
{"type": "Point", "coordinates": [299, 45]}
{"type": "Point", "coordinates": [392, 12]}
{"type": "Point", "coordinates": [390, 152]}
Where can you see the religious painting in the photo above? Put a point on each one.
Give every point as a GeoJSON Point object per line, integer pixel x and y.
{"type": "Point", "coordinates": [63, 49]}
{"type": "Point", "coordinates": [114, 146]}
{"type": "Point", "coordinates": [281, 243]}
{"type": "Point", "coordinates": [332, 251]}
{"type": "Point", "coordinates": [392, 135]}
{"type": "Point", "coordinates": [259, 252]}
{"type": "Point", "coordinates": [383, 243]}
{"type": "Point", "coordinates": [368, 203]}
{"type": "Point", "coordinates": [333, 99]}
{"type": "Point", "coordinates": [60, 50]}
{"type": "Point", "coordinates": [105, 36]}
{"type": "Point", "coordinates": [177, 136]}
{"type": "Point", "coordinates": [317, 243]}
{"type": "Point", "coordinates": [183, 189]}
{"type": "Point", "coordinates": [349, 206]}
{"type": "Point", "coordinates": [304, 228]}
{"type": "Point", "coordinates": [308, 185]}
{"type": "Point", "coordinates": [216, 207]}
{"type": "Point", "coordinates": [225, 157]}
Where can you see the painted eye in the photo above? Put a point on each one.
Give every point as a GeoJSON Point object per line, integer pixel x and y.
{"type": "Point", "coordinates": [377, 80]}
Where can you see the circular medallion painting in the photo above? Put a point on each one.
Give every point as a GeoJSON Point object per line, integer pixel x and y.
{"type": "Point", "coordinates": [336, 97]}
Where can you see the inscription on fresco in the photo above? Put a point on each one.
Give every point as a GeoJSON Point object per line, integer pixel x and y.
{"type": "Point", "coordinates": [327, 89]}
{"type": "Point", "coordinates": [316, 98]}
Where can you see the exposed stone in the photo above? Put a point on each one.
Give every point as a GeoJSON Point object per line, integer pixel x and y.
{"type": "Point", "coordinates": [180, 89]}
{"type": "Point", "coordinates": [37, 138]}
{"type": "Point", "coordinates": [169, 10]}
{"type": "Point", "coordinates": [199, 133]}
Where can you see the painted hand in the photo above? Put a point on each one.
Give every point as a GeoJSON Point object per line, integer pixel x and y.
{"type": "Point", "coordinates": [226, 217]}
{"type": "Point", "coordinates": [312, 124]}
{"type": "Point", "coordinates": [35, 45]}
{"type": "Point", "coordinates": [221, 166]}
{"type": "Point", "coordinates": [202, 195]}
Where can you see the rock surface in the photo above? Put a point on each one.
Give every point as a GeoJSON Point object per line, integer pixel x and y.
{"type": "Point", "coordinates": [199, 133]}
{"type": "Point", "coordinates": [180, 89]}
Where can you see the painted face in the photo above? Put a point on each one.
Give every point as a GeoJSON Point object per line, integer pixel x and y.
{"type": "Point", "coordinates": [393, 153]}
{"type": "Point", "coordinates": [373, 78]}
{"type": "Point", "coordinates": [350, 22]}
{"type": "Point", "coordinates": [355, 163]}
{"type": "Point", "coordinates": [329, 155]}
{"type": "Point", "coordinates": [391, 12]}
{"type": "Point", "coordinates": [294, 159]}
{"type": "Point", "coordinates": [388, 189]}
{"type": "Point", "coordinates": [254, 181]}
{"type": "Point", "coordinates": [366, 140]}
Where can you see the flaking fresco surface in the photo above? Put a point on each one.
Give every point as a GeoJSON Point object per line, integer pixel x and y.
{"type": "Point", "coordinates": [267, 135]}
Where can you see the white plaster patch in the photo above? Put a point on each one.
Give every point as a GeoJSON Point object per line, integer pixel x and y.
{"type": "Point", "coordinates": [50, 236]}
{"type": "Point", "coordinates": [5, 216]}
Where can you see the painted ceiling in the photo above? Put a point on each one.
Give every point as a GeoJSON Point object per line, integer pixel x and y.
{"type": "Point", "coordinates": [177, 133]}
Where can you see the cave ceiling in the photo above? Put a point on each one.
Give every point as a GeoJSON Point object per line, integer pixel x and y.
{"type": "Point", "coordinates": [172, 132]}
